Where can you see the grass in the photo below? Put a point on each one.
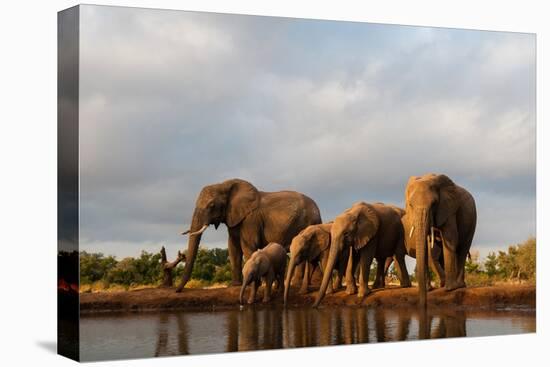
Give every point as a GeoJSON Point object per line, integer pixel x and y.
{"type": "Point", "coordinates": [101, 286]}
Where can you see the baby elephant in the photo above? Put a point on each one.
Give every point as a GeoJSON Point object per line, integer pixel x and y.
{"type": "Point", "coordinates": [267, 263]}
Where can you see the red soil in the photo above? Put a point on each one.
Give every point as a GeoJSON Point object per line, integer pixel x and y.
{"type": "Point", "coordinates": [225, 298]}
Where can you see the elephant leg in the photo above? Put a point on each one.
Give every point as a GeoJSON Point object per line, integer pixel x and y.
{"type": "Point", "coordinates": [450, 239]}
{"type": "Point", "coordinates": [298, 276]}
{"type": "Point", "coordinates": [236, 259]}
{"type": "Point", "coordinates": [338, 281]}
{"type": "Point", "coordinates": [268, 284]}
{"type": "Point", "coordinates": [342, 262]}
{"type": "Point", "coordinates": [436, 265]}
{"type": "Point", "coordinates": [330, 288]}
{"type": "Point", "coordinates": [305, 280]}
{"type": "Point", "coordinates": [461, 263]}
{"type": "Point", "coordinates": [379, 282]}
{"type": "Point", "coordinates": [402, 272]}
{"type": "Point", "coordinates": [463, 254]}
{"type": "Point", "coordinates": [365, 261]}
{"type": "Point", "coordinates": [281, 281]}
{"type": "Point", "coordinates": [253, 288]}
{"type": "Point", "coordinates": [351, 287]}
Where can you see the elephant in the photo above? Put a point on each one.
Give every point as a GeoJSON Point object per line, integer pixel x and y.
{"type": "Point", "coordinates": [269, 264]}
{"type": "Point", "coordinates": [312, 246]}
{"type": "Point", "coordinates": [438, 210]}
{"type": "Point", "coordinates": [368, 231]}
{"type": "Point", "coordinates": [382, 268]}
{"type": "Point", "coordinates": [253, 219]}
{"type": "Point", "coordinates": [436, 255]}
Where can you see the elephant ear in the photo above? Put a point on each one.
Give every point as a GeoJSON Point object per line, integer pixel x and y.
{"type": "Point", "coordinates": [448, 200]}
{"type": "Point", "coordinates": [367, 226]}
{"type": "Point", "coordinates": [243, 198]}
{"type": "Point", "coordinates": [319, 242]}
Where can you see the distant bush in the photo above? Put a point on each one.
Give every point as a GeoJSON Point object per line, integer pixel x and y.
{"type": "Point", "coordinates": [516, 264]}
{"type": "Point", "coordinates": [94, 267]}
{"type": "Point", "coordinates": [519, 262]}
{"type": "Point", "coordinates": [100, 272]}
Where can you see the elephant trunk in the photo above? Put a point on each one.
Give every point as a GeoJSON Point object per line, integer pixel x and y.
{"type": "Point", "coordinates": [246, 281]}
{"type": "Point", "coordinates": [192, 248]}
{"type": "Point", "coordinates": [423, 224]}
{"type": "Point", "coordinates": [289, 273]}
{"type": "Point", "coordinates": [329, 267]}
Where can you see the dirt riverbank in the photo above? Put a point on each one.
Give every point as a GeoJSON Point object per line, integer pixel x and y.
{"type": "Point", "coordinates": [152, 299]}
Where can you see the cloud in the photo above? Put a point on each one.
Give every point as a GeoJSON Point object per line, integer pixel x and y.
{"type": "Point", "coordinates": [171, 101]}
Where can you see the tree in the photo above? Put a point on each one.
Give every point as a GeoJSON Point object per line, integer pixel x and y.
{"type": "Point", "coordinates": [124, 272]}
{"type": "Point", "coordinates": [526, 258]}
{"type": "Point", "coordinates": [168, 267]}
{"type": "Point", "coordinates": [95, 266]}
{"type": "Point", "coordinates": [491, 264]}
{"type": "Point", "coordinates": [204, 267]}
{"type": "Point", "coordinates": [472, 265]}
{"type": "Point", "coordinates": [507, 262]}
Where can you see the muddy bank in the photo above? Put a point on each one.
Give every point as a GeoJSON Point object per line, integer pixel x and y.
{"type": "Point", "coordinates": [226, 298]}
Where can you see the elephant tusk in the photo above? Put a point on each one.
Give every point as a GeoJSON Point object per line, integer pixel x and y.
{"type": "Point", "coordinates": [199, 231]}
{"type": "Point", "coordinates": [411, 232]}
{"type": "Point", "coordinates": [432, 237]}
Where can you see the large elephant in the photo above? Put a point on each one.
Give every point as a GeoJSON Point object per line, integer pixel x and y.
{"type": "Point", "coordinates": [253, 219]}
{"type": "Point", "coordinates": [438, 209]}
{"type": "Point", "coordinates": [368, 231]}
{"type": "Point", "coordinates": [312, 246]}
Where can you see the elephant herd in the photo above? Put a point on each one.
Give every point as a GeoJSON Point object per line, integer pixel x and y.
{"type": "Point", "coordinates": [436, 227]}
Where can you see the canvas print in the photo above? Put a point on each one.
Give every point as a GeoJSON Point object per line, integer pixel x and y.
{"type": "Point", "coordinates": [234, 183]}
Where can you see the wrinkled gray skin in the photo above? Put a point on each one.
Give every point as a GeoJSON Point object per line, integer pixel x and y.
{"type": "Point", "coordinates": [435, 201]}
{"type": "Point", "coordinates": [268, 264]}
{"type": "Point", "coordinates": [312, 246]}
{"type": "Point", "coordinates": [382, 268]}
{"type": "Point", "coordinates": [436, 255]}
{"type": "Point", "coordinates": [369, 231]}
{"type": "Point", "coordinates": [253, 219]}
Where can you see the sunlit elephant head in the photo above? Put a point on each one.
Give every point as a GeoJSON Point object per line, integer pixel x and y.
{"type": "Point", "coordinates": [353, 229]}
{"type": "Point", "coordinates": [430, 200]}
{"type": "Point", "coordinates": [228, 202]}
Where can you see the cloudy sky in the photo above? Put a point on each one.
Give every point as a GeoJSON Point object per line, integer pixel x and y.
{"type": "Point", "coordinates": [171, 101]}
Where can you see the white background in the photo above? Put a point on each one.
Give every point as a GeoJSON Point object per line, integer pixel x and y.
{"type": "Point", "coordinates": [28, 182]}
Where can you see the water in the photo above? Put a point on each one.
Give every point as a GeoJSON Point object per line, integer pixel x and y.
{"type": "Point", "coordinates": [138, 335]}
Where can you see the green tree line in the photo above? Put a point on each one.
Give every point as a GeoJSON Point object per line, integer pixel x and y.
{"type": "Point", "coordinates": [518, 263]}
{"type": "Point", "coordinates": [211, 266]}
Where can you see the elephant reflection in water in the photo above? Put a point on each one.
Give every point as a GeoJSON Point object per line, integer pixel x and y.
{"type": "Point", "coordinates": [342, 326]}
{"type": "Point", "coordinates": [451, 325]}
{"type": "Point", "coordinates": [448, 325]}
{"type": "Point", "coordinates": [163, 345]}
{"type": "Point", "coordinates": [303, 328]}
{"type": "Point", "coordinates": [251, 329]}
{"type": "Point", "coordinates": [272, 329]}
